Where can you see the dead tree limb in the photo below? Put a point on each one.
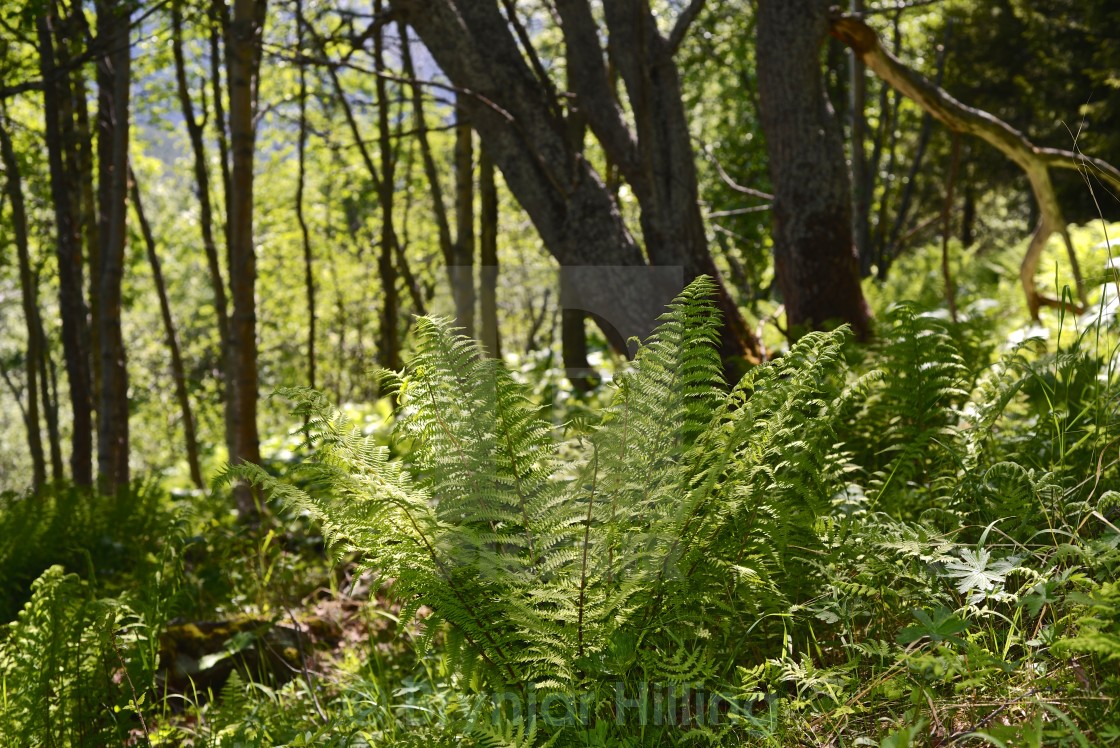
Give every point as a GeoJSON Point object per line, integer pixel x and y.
{"type": "Point", "coordinates": [1035, 161]}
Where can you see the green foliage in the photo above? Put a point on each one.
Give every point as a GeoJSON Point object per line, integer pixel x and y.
{"type": "Point", "coordinates": [643, 560]}
{"type": "Point", "coordinates": [905, 433]}
{"type": "Point", "coordinates": [65, 525]}
{"type": "Point", "coordinates": [75, 670]}
{"type": "Point", "coordinates": [917, 547]}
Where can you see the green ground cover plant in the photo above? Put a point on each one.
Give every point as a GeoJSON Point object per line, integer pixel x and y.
{"type": "Point", "coordinates": [912, 543]}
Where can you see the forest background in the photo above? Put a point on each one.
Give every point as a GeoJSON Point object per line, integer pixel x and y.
{"type": "Point", "coordinates": [206, 203]}
{"type": "Point", "coordinates": [367, 195]}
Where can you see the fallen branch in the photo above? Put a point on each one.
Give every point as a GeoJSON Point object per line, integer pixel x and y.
{"type": "Point", "coordinates": [1036, 162]}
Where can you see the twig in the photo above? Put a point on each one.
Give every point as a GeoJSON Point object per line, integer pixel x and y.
{"type": "Point", "coordinates": [131, 687]}
{"type": "Point", "coordinates": [303, 666]}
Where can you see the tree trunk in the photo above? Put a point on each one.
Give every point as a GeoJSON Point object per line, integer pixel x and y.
{"type": "Point", "coordinates": [488, 256]}
{"type": "Point", "coordinates": [968, 213]}
{"type": "Point", "coordinates": [29, 294]}
{"type": "Point", "coordinates": [814, 259]}
{"type": "Point", "coordinates": [439, 209]}
{"type": "Point", "coordinates": [112, 198]}
{"type": "Point", "coordinates": [243, 50]}
{"type": "Point", "coordinates": [946, 230]}
{"type": "Point", "coordinates": [82, 150]}
{"type": "Point", "coordinates": [72, 299]}
{"type": "Point", "coordinates": [656, 158]}
{"type": "Point", "coordinates": [219, 33]}
{"type": "Point", "coordinates": [462, 251]}
{"type": "Point", "coordinates": [520, 125]}
{"type": "Point", "coordinates": [1036, 162]}
{"type": "Point", "coordinates": [308, 257]}
{"type": "Point", "coordinates": [861, 184]}
{"type": "Point", "coordinates": [178, 372]}
{"type": "Point", "coordinates": [573, 340]}
{"type": "Point", "coordinates": [48, 390]}
{"type": "Point", "coordinates": [196, 134]}
{"type": "Point", "coordinates": [389, 348]}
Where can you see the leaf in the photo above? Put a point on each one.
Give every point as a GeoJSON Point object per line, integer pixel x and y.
{"type": "Point", "coordinates": [943, 625]}
{"type": "Point", "coordinates": [976, 571]}
{"type": "Point", "coordinates": [904, 736]}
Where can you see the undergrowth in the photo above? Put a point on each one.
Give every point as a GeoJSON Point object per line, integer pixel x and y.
{"type": "Point", "coordinates": [910, 544]}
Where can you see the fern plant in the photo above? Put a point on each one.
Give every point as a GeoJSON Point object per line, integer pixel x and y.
{"type": "Point", "coordinates": [656, 556]}
{"type": "Point", "coordinates": [74, 670]}
{"type": "Point", "coordinates": [905, 431]}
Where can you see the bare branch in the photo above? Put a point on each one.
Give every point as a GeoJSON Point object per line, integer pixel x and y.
{"type": "Point", "coordinates": [681, 27]}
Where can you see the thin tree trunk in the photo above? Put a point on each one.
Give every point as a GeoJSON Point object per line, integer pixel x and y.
{"type": "Point", "coordinates": [196, 134]}
{"type": "Point", "coordinates": [389, 348]}
{"type": "Point", "coordinates": [243, 49]}
{"type": "Point", "coordinates": [439, 209]}
{"type": "Point", "coordinates": [488, 256]}
{"type": "Point", "coordinates": [861, 197]}
{"type": "Point", "coordinates": [308, 257]}
{"type": "Point", "coordinates": [178, 372]}
{"type": "Point", "coordinates": [113, 80]}
{"type": "Point", "coordinates": [946, 229]}
{"type": "Point", "coordinates": [814, 258]}
{"type": "Point", "coordinates": [1035, 161]}
{"type": "Point", "coordinates": [968, 213]}
{"type": "Point", "coordinates": [462, 252]}
{"type": "Point", "coordinates": [82, 149]}
{"type": "Point", "coordinates": [48, 390]}
{"type": "Point", "coordinates": [29, 295]}
{"type": "Point", "coordinates": [573, 339]}
{"type": "Point", "coordinates": [219, 35]}
{"type": "Point", "coordinates": [924, 134]}
{"type": "Point", "coordinates": [72, 301]}
{"type": "Point", "coordinates": [415, 292]}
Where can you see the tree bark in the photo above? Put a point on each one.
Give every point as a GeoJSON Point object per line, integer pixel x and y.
{"type": "Point", "coordinates": [178, 372]}
{"type": "Point", "coordinates": [72, 298]}
{"type": "Point", "coordinates": [82, 155]}
{"type": "Point", "coordinates": [243, 52]}
{"type": "Point", "coordinates": [861, 185]}
{"type": "Point", "coordinates": [389, 348]}
{"type": "Point", "coordinates": [305, 235]}
{"type": "Point", "coordinates": [219, 34]}
{"type": "Point", "coordinates": [13, 185]}
{"type": "Point", "coordinates": [1035, 161]}
{"type": "Point", "coordinates": [519, 124]}
{"type": "Point", "coordinates": [656, 158]}
{"type": "Point", "coordinates": [814, 258]}
{"type": "Point", "coordinates": [196, 134]}
{"type": "Point", "coordinates": [946, 230]}
{"type": "Point", "coordinates": [462, 251]}
{"type": "Point", "coordinates": [113, 73]}
{"type": "Point", "coordinates": [48, 390]}
{"type": "Point", "coordinates": [488, 256]}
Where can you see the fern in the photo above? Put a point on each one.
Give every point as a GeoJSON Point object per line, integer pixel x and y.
{"type": "Point", "coordinates": [644, 559]}
{"type": "Point", "coordinates": [906, 435]}
{"type": "Point", "coordinates": [66, 665]}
